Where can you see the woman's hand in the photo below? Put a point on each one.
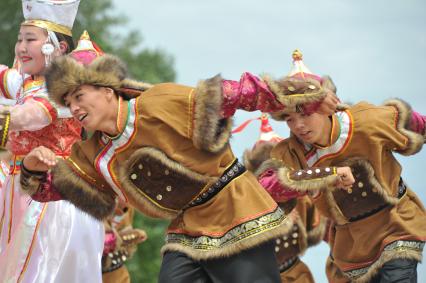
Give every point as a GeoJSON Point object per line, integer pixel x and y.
{"type": "Point", "coordinates": [346, 178]}
{"type": "Point", "coordinates": [40, 159]}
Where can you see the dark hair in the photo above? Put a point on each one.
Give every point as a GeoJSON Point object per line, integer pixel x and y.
{"type": "Point", "coordinates": [68, 39]}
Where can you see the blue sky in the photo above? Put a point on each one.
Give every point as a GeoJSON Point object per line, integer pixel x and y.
{"type": "Point", "coordinates": [373, 50]}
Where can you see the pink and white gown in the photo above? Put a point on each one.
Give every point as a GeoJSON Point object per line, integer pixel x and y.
{"type": "Point", "coordinates": [42, 242]}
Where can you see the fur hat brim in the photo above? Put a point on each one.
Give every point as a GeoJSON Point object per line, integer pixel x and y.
{"type": "Point", "coordinates": [65, 75]}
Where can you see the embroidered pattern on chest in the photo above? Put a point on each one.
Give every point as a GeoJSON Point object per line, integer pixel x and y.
{"type": "Point", "coordinates": [104, 160]}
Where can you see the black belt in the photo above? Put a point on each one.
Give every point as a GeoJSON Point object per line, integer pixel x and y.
{"type": "Point", "coordinates": [235, 170]}
{"type": "Point", "coordinates": [402, 188]}
{"type": "Point", "coordinates": [116, 258]}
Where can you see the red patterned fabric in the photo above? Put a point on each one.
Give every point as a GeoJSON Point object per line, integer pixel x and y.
{"type": "Point", "coordinates": [47, 192]}
{"type": "Point", "coordinates": [58, 136]}
{"type": "Point", "coordinates": [250, 94]}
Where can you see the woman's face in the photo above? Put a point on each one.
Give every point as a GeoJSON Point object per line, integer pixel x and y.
{"type": "Point", "coordinates": [310, 128]}
{"type": "Point", "coordinates": [28, 49]}
{"type": "Point", "coordinates": [93, 107]}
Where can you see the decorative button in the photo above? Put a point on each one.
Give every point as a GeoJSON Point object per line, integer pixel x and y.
{"type": "Point", "coordinates": [159, 197]}
{"type": "Point", "coordinates": [364, 194]}
{"type": "Point", "coordinates": [167, 172]}
{"type": "Point", "coordinates": [285, 238]}
{"type": "Point", "coordinates": [349, 191]}
{"type": "Point", "coordinates": [277, 249]}
{"type": "Point", "coordinates": [286, 245]}
{"type": "Point", "coordinates": [169, 188]}
{"type": "Point", "coordinates": [123, 258]}
{"type": "Point", "coordinates": [360, 184]}
{"type": "Point", "coordinates": [327, 169]}
{"type": "Point", "coordinates": [317, 170]}
{"type": "Point", "coordinates": [295, 235]}
{"type": "Point", "coordinates": [133, 176]}
{"type": "Point", "coordinates": [309, 172]}
{"type": "Point", "coordinates": [294, 242]}
{"type": "Point", "coordinates": [299, 173]}
{"type": "Point", "coordinates": [140, 166]}
{"type": "Point", "coordinates": [278, 241]}
{"type": "Point", "coordinates": [149, 173]}
{"type": "Point", "coordinates": [312, 87]}
{"type": "Point", "coordinates": [110, 255]}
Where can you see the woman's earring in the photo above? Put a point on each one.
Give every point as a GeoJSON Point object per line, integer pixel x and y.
{"type": "Point", "coordinates": [47, 49]}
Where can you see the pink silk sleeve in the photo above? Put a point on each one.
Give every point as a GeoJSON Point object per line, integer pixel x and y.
{"type": "Point", "coordinates": [417, 123]}
{"type": "Point", "coordinates": [269, 180]}
{"type": "Point", "coordinates": [110, 242]}
{"type": "Point", "coordinates": [34, 114]}
{"type": "Point", "coordinates": [249, 94]}
{"type": "Point", "coordinates": [47, 191]}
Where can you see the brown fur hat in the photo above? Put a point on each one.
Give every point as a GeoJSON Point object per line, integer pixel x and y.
{"type": "Point", "coordinates": [294, 92]}
{"type": "Point", "coordinates": [65, 75]}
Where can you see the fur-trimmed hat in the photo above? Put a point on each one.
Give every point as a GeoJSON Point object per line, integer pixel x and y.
{"type": "Point", "coordinates": [67, 73]}
{"type": "Point", "coordinates": [301, 90]}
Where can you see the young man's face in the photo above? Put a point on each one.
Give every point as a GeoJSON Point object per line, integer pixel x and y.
{"type": "Point", "coordinates": [310, 128]}
{"type": "Point", "coordinates": [91, 106]}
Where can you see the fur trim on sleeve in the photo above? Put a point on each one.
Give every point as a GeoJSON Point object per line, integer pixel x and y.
{"type": "Point", "coordinates": [73, 188]}
{"type": "Point", "coordinates": [211, 131]}
{"type": "Point", "coordinates": [415, 140]}
{"type": "Point", "coordinates": [255, 157]}
{"type": "Point", "coordinates": [308, 185]}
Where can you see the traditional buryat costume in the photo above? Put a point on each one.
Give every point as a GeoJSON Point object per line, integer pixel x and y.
{"type": "Point", "coordinates": [42, 242]}
{"type": "Point", "coordinates": [308, 226]}
{"type": "Point", "coordinates": [380, 219]}
{"type": "Point", "coordinates": [171, 160]}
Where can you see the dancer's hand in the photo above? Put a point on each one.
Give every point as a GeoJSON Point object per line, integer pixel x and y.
{"type": "Point", "coordinates": [346, 179]}
{"type": "Point", "coordinates": [40, 159]}
{"type": "Point", "coordinates": [329, 104]}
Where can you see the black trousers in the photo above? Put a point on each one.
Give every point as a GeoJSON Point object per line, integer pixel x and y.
{"type": "Point", "coordinates": [397, 271]}
{"type": "Point", "coordinates": [256, 265]}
